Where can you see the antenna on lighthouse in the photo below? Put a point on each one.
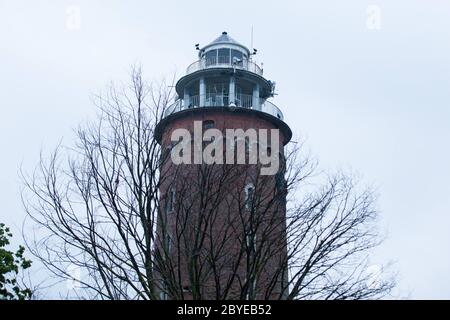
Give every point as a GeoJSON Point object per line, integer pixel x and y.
{"type": "Point", "coordinates": [251, 39]}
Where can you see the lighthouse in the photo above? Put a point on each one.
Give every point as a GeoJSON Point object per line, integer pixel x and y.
{"type": "Point", "coordinates": [221, 224]}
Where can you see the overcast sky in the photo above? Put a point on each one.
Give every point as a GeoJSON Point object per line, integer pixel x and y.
{"type": "Point", "coordinates": [376, 100]}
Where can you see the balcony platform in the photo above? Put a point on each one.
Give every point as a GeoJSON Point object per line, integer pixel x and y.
{"type": "Point", "coordinates": [242, 101]}
{"type": "Point", "coordinates": [246, 70]}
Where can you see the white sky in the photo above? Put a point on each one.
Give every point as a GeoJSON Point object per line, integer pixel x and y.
{"type": "Point", "coordinates": [375, 101]}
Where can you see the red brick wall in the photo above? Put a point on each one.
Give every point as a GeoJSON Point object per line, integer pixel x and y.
{"type": "Point", "coordinates": [228, 212]}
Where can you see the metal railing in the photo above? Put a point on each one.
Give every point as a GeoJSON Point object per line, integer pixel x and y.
{"type": "Point", "coordinates": [222, 100]}
{"type": "Point", "coordinates": [224, 62]}
{"type": "Point", "coordinates": [269, 107]}
{"type": "Point", "coordinates": [216, 100]}
{"type": "Point", "coordinates": [175, 107]}
{"type": "Point", "coordinates": [244, 101]}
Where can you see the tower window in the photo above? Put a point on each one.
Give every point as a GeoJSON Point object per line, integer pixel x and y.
{"type": "Point", "coordinates": [249, 195]}
{"type": "Point", "coordinates": [250, 240]}
{"type": "Point", "coordinates": [208, 124]}
{"type": "Point", "coordinates": [170, 201]}
{"type": "Point", "coordinates": [169, 244]}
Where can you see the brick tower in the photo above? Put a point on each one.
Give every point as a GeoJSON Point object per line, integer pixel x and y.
{"type": "Point", "coordinates": [221, 226]}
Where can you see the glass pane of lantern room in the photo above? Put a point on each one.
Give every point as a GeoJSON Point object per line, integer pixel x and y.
{"type": "Point", "coordinates": [224, 56]}
{"type": "Point", "coordinates": [237, 57]}
{"type": "Point", "coordinates": [210, 57]}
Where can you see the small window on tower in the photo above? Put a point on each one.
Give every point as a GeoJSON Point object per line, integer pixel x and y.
{"type": "Point", "coordinates": [249, 195]}
{"type": "Point", "coordinates": [208, 124]}
{"type": "Point", "coordinates": [169, 244]}
{"type": "Point", "coordinates": [250, 240]}
{"type": "Point", "coordinates": [170, 201]}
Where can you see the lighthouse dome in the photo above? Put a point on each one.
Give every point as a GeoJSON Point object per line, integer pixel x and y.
{"type": "Point", "coordinates": [225, 42]}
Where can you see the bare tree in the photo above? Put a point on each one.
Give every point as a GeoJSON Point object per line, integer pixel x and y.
{"type": "Point", "coordinates": [98, 207]}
